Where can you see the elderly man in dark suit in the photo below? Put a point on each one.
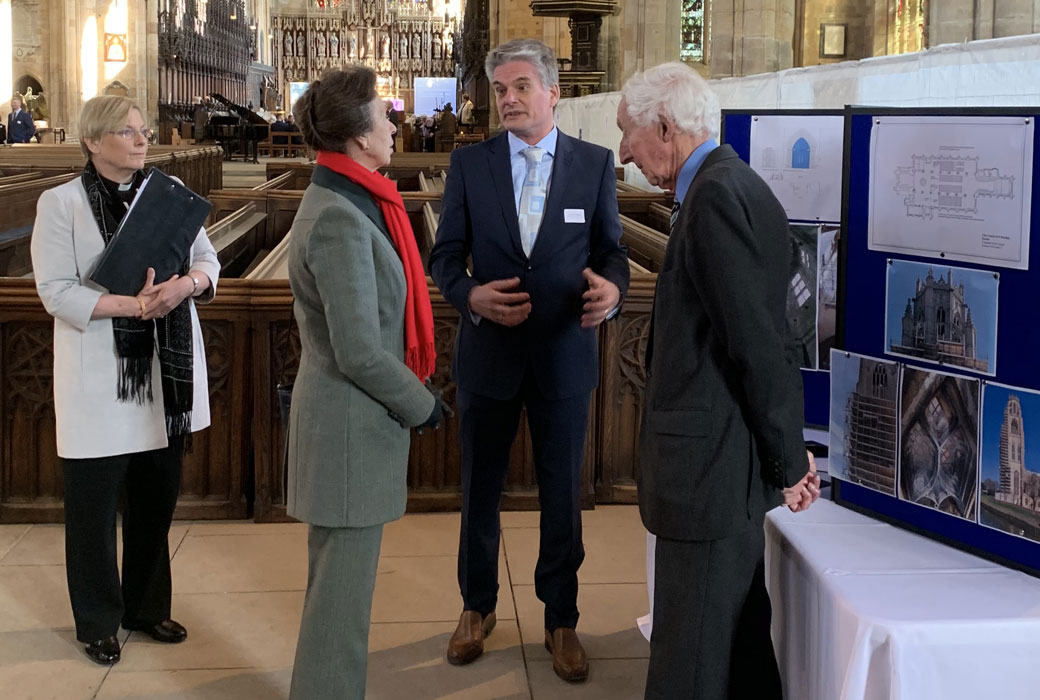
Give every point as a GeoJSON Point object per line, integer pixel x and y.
{"type": "Point", "coordinates": [20, 126]}
{"type": "Point", "coordinates": [537, 212]}
{"type": "Point", "coordinates": [721, 436]}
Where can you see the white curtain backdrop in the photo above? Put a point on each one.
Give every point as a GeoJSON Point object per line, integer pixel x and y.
{"type": "Point", "coordinates": [993, 72]}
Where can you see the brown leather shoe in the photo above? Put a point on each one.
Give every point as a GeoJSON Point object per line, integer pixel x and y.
{"type": "Point", "coordinates": [467, 642]}
{"type": "Point", "coordinates": [569, 660]}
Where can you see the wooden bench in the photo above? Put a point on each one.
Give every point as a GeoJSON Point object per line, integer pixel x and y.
{"type": "Point", "coordinates": [236, 238]}
{"type": "Point", "coordinates": [646, 246]}
{"type": "Point", "coordinates": [18, 204]}
{"type": "Point", "coordinates": [20, 177]}
{"type": "Point", "coordinates": [281, 182]}
{"type": "Point", "coordinates": [431, 183]}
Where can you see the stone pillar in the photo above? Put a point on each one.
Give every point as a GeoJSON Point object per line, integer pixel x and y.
{"type": "Point", "coordinates": [649, 34]}
{"type": "Point", "coordinates": [6, 53]}
{"type": "Point", "coordinates": [1014, 17]}
{"type": "Point", "coordinates": [951, 22]}
{"type": "Point", "coordinates": [750, 36]}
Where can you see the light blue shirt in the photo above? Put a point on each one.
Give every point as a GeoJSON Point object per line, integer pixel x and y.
{"type": "Point", "coordinates": [690, 168]}
{"type": "Point", "coordinates": [518, 163]}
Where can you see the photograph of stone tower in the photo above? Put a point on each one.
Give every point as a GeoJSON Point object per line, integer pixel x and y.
{"type": "Point", "coordinates": [946, 315]}
{"type": "Point", "coordinates": [864, 421]}
{"type": "Point", "coordinates": [1010, 478]}
{"type": "Point", "coordinates": [938, 441]}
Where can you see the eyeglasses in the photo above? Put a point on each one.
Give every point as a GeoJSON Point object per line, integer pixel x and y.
{"type": "Point", "coordinates": [127, 134]}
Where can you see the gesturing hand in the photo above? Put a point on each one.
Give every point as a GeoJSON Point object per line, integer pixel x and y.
{"type": "Point", "coordinates": [602, 296]}
{"type": "Point", "coordinates": [495, 301]}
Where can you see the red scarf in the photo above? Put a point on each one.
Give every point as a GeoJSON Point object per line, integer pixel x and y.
{"type": "Point", "coordinates": [419, 352]}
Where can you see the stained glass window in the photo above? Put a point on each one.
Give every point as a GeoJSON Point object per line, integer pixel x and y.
{"type": "Point", "coordinates": [692, 37]}
{"type": "Point", "coordinates": [909, 26]}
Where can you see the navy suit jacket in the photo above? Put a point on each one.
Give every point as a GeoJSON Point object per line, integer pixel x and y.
{"type": "Point", "coordinates": [479, 220]}
{"type": "Point", "coordinates": [20, 127]}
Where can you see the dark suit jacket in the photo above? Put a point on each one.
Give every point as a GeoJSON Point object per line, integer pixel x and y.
{"type": "Point", "coordinates": [479, 219]}
{"type": "Point", "coordinates": [20, 127]}
{"type": "Point", "coordinates": [722, 413]}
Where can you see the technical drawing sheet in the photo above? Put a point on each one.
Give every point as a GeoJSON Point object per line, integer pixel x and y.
{"type": "Point", "coordinates": [799, 156]}
{"type": "Point", "coordinates": [956, 188]}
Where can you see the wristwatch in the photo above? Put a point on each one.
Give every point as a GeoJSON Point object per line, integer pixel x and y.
{"type": "Point", "coordinates": [195, 289]}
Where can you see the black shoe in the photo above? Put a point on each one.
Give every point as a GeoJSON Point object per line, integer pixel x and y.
{"type": "Point", "coordinates": [104, 651]}
{"type": "Point", "coordinates": [167, 631]}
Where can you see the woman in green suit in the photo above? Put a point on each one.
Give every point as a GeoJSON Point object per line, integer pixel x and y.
{"type": "Point", "coordinates": [366, 330]}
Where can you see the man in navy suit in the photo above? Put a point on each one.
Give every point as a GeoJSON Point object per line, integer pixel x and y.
{"type": "Point", "coordinates": [536, 210]}
{"type": "Point", "coordinates": [20, 126]}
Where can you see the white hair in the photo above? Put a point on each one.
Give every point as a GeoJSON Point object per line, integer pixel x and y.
{"type": "Point", "coordinates": [676, 91]}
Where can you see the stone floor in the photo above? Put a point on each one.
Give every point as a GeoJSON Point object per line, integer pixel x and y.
{"type": "Point", "coordinates": [238, 588]}
{"type": "Point", "coordinates": [246, 174]}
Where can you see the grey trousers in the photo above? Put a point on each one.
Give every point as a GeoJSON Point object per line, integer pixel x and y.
{"type": "Point", "coordinates": [332, 652]}
{"type": "Point", "coordinates": [712, 615]}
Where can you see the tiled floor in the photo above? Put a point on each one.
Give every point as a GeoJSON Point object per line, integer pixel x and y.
{"type": "Point", "coordinates": [238, 588]}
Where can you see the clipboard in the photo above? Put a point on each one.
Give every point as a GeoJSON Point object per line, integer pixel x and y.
{"type": "Point", "coordinates": [158, 231]}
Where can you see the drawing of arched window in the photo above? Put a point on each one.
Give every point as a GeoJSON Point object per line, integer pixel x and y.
{"type": "Point", "coordinates": [940, 322]}
{"type": "Point", "coordinates": [800, 154]}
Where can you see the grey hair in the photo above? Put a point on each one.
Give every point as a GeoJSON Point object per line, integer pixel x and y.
{"type": "Point", "coordinates": [676, 91]}
{"type": "Point", "coordinates": [533, 51]}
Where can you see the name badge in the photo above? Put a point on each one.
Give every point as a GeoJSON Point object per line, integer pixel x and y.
{"type": "Point", "coordinates": [573, 216]}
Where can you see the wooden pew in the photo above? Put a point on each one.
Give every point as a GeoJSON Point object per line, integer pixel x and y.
{"type": "Point", "coordinates": [198, 166]}
{"type": "Point", "coordinates": [646, 246]}
{"type": "Point", "coordinates": [19, 178]}
{"type": "Point", "coordinates": [236, 237]}
{"type": "Point", "coordinates": [280, 182]}
{"type": "Point", "coordinates": [660, 216]}
{"type": "Point", "coordinates": [18, 204]}
{"type": "Point", "coordinates": [636, 268]}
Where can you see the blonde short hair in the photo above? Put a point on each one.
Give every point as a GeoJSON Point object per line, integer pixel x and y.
{"type": "Point", "coordinates": [103, 114]}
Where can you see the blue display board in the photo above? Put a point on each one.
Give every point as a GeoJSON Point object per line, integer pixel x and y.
{"type": "Point", "coordinates": [736, 131]}
{"type": "Point", "coordinates": [862, 296]}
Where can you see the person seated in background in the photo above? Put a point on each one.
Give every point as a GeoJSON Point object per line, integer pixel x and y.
{"type": "Point", "coordinates": [279, 136]}
{"type": "Point", "coordinates": [429, 131]}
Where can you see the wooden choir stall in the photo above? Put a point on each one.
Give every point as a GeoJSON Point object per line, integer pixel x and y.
{"type": "Point", "coordinates": [237, 467]}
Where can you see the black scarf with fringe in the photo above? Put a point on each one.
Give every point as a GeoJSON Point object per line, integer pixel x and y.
{"type": "Point", "coordinates": [134, 338]}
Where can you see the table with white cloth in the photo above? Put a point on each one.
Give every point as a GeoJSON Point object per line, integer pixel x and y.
{"type": "Point", "coordinates": [863, 610]}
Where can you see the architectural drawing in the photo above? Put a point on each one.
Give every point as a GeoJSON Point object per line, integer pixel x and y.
{"type": "Point", "coordinates": [949, 186]}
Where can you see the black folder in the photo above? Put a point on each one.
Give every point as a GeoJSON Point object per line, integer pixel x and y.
{"type": "Point", "coordinates": [157, 231]}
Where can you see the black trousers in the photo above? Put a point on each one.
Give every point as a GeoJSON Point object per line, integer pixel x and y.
{"type": "Point", "coordinates": [487, 428]}
{"type": "Point", "coordinates": [712, 615]}
{"type": "Point", "coordinates": [92, 488]}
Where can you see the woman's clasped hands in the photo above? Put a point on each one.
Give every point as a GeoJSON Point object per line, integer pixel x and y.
{"type": "Point", "coordinates": [157, 300]}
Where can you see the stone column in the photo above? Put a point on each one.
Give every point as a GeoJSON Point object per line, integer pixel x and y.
{"type": "Point", "coordinates": [1014, 17]}
{"type": "Point", "coordinates": [750, 36]}
{"type": "Point", "coordinates": [649, 35]}
{"type": "Point", "coordinates": [951, 22]}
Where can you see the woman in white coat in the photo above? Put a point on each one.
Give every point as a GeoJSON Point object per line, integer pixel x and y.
{"type": "Point", "coordinates": [129, 386]}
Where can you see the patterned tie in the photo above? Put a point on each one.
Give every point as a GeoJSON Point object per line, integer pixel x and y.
{"type": "Point", "coordinates": [674, 216]}
{"type": "Point", "coordinates": [532, 199]}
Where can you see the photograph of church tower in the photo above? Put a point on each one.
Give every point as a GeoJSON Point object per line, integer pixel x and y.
{"type": "Point", "coordinates": [1010, 485]}
{"type": "Point", "coordinates": [864, 421]}
{"type": "Point", "coordinates": [946, 315]}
